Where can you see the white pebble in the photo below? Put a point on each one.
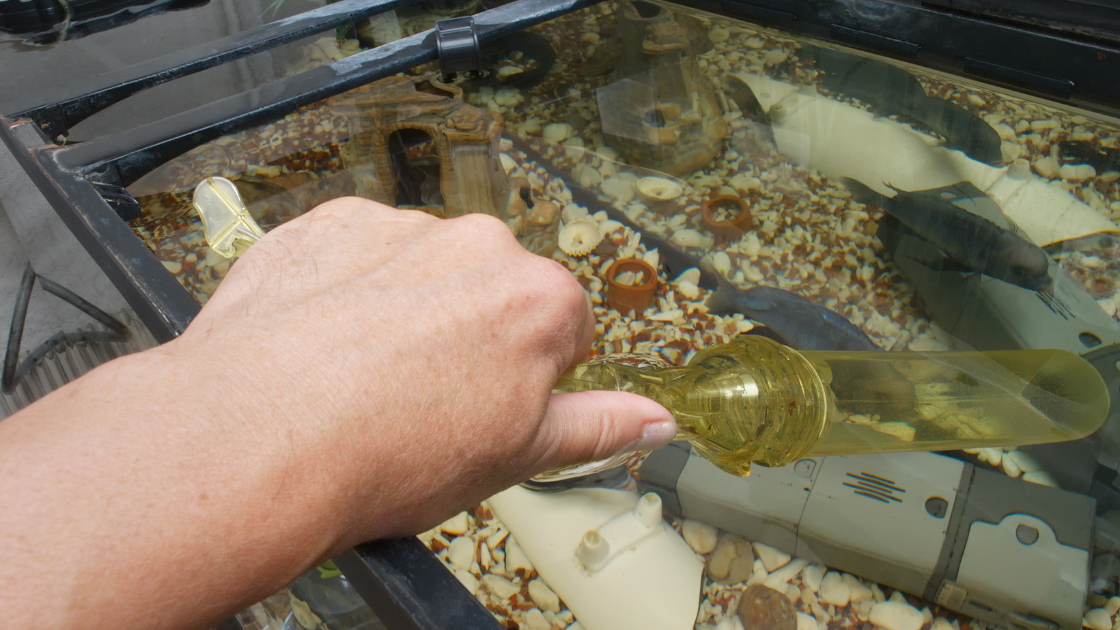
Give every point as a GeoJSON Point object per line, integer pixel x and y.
{"type": "Point", "coordinates": [689, 291]}
{"type": "Point", "coordinates": [1005, 131]}
{"type": "Point", "coordinates": [456, 525]}
{"type": "Point", "coordinates": [1047, 167]}
{"type": "Point", "coordinates": [771, 558]}
{"type": "Point", "coordinates": [1097, 619]}
{"type": "Point", "coordinates": [1043, 125]}
{"type": "Point", "coordinates": [777, 579]}
{"type": "Point", "coordinates": [1010, 151]}
{"type": "Point", "coordinates": [508, 97]}
{"type": "Point", "coordinates": [534, 620]}
{"type": "Point", "coordinates": [1010, 467]}
{"type": "Point", "coordinates": [991, 455]}
{"type": "Point", "coordinates": [467, 580]}
{"type": "Point", "coordinates": [461, 552]}
{"type": "Point", "coordinates": [805, 622]}
{"type": "Point", "coordinates": [744, 184]}
{"type": "Point", "coordinates": [751, 246]}
{"type": "Point", "coordinates": [811, 577]}
{"type": "Point", "coordinates": [493, 540]}
{"type": "Point", "coordinates": [1077, 172]}
{"type": "Point", "coordinates": [557, 132]}
{"type": "Point", "coordinates": [586, 176]}
{"type": "Point", "coordinates": [1041, 477]}
{"type": "Point", "coordinates": [515, 557]}
{"type": "Point", "coordinates": [499, 586]}
{"type": "Point", "coordinates": [722, 263]}
{"type": "Point", "coordinates": [1112, 605]}
{"type": "Point", "coordinates": [834, 590]}
{"type": "Point", "coordinates": [859, 591]}
{"type": "Point", "coordinates": [543, 596]}
{"type": "Point", "coordinates": [618, 189]}
{"type": "Point", "coordinates": [896, 616]}
{"type": "Point", "coordinates": [700, 536]}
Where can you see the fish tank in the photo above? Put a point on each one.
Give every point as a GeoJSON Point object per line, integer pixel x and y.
{"type": "Point", "coordinates": [706, 177]}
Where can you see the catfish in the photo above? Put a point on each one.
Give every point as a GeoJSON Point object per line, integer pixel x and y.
{"type": "Point", "coordinates": [892, 91]}
{"type": "Point", "coordinates": [973, 241]}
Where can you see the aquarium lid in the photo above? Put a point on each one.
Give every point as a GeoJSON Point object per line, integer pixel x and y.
{"type": "Point", "coordinates": [1028, 53]}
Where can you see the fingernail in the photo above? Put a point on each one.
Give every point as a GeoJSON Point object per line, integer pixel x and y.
{"type": "Point", "coordinates": [655, 435]}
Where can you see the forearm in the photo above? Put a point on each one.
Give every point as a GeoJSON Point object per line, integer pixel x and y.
{"type": "Point", "coordinates": [121, 506]}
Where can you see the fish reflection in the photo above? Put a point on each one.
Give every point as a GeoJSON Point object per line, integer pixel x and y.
{"type": "Point", "coordinates": [972, 241]}
{"type": "Point", "coordinates": [891, 91]}
{"type": "Point", "coordinates": [1102, 159]}
{"type": "Point", "coordinates": [738, 91]}
{"type": "Point", "coordinates": [790, 319]}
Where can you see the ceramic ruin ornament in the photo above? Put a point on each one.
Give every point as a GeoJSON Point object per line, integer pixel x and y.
{"type": "Point", "coordinates": [471, 176]}
{"type": "Point", "coordinates": [659, 111]}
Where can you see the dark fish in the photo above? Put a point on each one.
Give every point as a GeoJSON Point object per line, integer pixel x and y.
{"type": "Point", "coordinates": [891, 91]}
{"type": "Point", "coordinates": [972, 240]}
{"type": "Point", "coordinates": [800, 323]}
{"type": "Point", "coordinates": [860, 386]}
{"type": "Point", "coordinates": [1084, 152]}
{"type": "Point", "coordinates": [737, 90]}
{"type": "Point", "coordinates": [961, 129]}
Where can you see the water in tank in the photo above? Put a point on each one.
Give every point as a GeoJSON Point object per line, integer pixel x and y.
{"type": "Point", "coordinates": [703, 178]}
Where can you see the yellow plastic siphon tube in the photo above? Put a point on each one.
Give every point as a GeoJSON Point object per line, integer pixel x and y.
{"type": "Point", "coordinates": [756, 401]}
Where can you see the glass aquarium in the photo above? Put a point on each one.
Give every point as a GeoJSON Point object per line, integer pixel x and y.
{"type": "Point", "coordinates": [705, 178]}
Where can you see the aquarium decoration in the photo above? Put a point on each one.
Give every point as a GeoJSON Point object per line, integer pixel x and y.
{"type": "Point", "coordinates": [464, 142]}
{"type": "Point", "coordinates": [712, 182]}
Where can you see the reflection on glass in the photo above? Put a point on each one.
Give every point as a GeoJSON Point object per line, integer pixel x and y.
{"type": "Point", "coordinates": [704, 178]}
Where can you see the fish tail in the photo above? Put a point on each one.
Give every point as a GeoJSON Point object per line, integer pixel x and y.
{"type": "Point", "coordinates": [863, 193]}
{"type": "Point", "coordinates": [722, 300]}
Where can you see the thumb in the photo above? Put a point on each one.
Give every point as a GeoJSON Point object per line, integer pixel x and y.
{"type": "Point", "coordinates": [588, 426]}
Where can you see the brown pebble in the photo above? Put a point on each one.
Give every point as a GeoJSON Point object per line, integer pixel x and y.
{"type": "Point", "coordinates": [763, 608]}
{"type": "Point", "coordinates": [732, 560]}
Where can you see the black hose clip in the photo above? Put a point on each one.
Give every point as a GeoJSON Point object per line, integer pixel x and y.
{"type": "Point", "coordinates": [459, 50]}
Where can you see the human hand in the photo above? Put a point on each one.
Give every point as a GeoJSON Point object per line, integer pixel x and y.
{"type": "Point", "coordinates": [362, 372]}
{"type": "Point", "coordinates": [412, 359]}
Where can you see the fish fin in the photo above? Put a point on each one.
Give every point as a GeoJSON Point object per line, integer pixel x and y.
{"type": "Point", "coordinates": [863, 193]}
{"type": "Point", "coordinates": [728, 298]}
{"type": "Point", "coordinates": [891, 234]}
{"type": "Point", "coordinates": [769, 333]}
{"type": "Point", "coordinates": [722, 300]}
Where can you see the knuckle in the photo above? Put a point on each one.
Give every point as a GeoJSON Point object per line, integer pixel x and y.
{"type": "Point", "coordinates": [484, 226]}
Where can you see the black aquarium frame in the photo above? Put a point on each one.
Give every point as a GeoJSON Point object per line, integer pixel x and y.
{"type": "Point", "coordinates": [401, 580]}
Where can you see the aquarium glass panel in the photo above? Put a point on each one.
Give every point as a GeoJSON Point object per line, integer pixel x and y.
{"type": "Point", "coordinates": [705, 178]}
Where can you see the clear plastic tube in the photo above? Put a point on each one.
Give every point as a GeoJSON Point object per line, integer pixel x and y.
{"type": "Point", "coordinates": [757, 401]}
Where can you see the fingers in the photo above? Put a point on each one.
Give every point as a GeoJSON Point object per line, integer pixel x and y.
{"type": "Point", "coordinates": [588, 426]}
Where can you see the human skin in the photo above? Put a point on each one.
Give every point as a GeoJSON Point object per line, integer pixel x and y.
{"type": "Point", "coordinates": [362, 373]}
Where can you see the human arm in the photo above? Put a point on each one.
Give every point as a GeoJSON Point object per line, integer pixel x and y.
{"type": "Point", "coordinates": [361, 373]}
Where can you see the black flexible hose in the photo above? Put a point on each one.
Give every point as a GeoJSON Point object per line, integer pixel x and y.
{"type": "Point", "coordinates": [15, 332]}
{"type": "Point", "coordinates": [14, 370]}
{"type": "Point", "coordinates": [77, 302]}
